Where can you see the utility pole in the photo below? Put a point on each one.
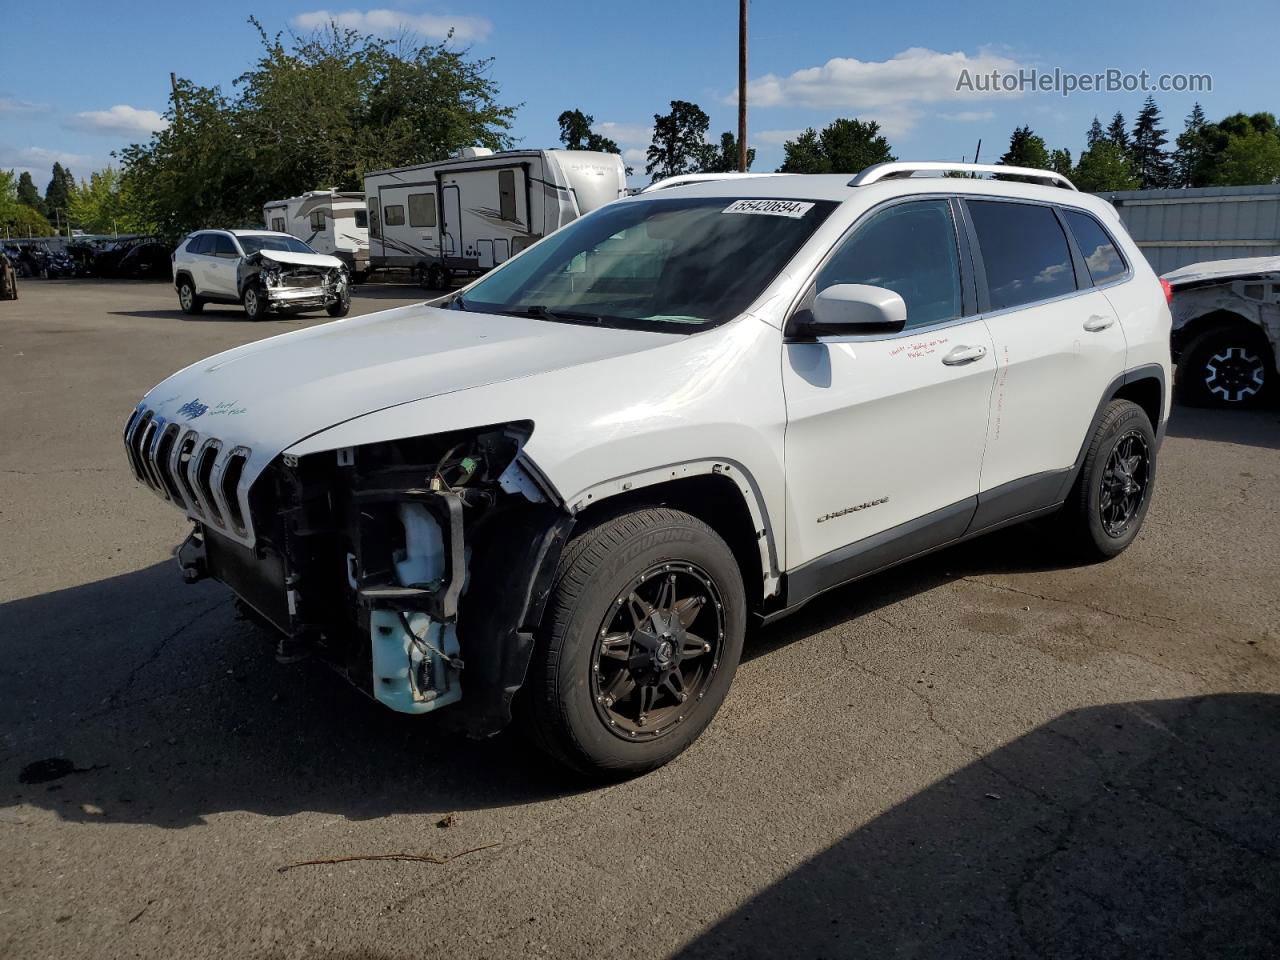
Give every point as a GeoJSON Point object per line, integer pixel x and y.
{"type": "Point", "coordinates": [742, 86]}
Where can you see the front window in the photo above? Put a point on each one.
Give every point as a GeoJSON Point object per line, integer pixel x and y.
{"type": "Point", "coordinates": [255, 244]}
{"type": "Point", "coordinates": [662, 263]}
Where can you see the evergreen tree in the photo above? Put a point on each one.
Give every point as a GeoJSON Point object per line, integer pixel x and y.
{"type": "Point", "coordinates": [28, 194]}
{"type": "Point", "coordinates": [1104, 166]}
{"type": "Point", "coordinates": [845, 146]}
{"type": "Point", "coordinates": [1060, 162]}
{"type": "Point", "coordinates": [576, 133]}
{"type": "Point", "coordinates": [1192, 150]}
{"type": "Point", "coordinates": [1151, 163]}
{"type": "Point", "coordinates": [1026, 149]}
{"type": "Point", "coordinates": [1117, 133]}
{"type": "Point", "coordinates": [57, 196]}
{"type": "Point", "coordinates": [724, 158]}
{"type": "Point", "coordinates": [804, 155]}
{"type": "Point", "coordinates": [1095, 135]}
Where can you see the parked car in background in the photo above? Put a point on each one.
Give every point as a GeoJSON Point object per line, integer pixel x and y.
{"type": "Point", "coordinates": [467, 214]}
{"type": "Point", "coordinates": [1226, 330]}
{"type": "Point", "coordinates": [328, 221]}
{"type": "Point", "coordinates": [565, 489]}
{"type": "Point", "coordinates": [265, 271]}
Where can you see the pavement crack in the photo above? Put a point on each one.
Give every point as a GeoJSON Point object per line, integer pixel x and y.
{"type": "Point", "coordinates": [125, 685]}
{"type": "Point", "coordinates": [1145, 619]}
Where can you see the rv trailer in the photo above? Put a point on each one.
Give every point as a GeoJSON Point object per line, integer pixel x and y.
{"type": "Point", "coordinates": [467, 214]}
{"type": "Point", "coordinates": [328, 221]}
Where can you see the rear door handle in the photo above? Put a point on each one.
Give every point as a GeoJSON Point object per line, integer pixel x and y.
{"type": "Point", "coordinates": [963, 354]}
{"type": "Point", "coordinates": [1098, 322]}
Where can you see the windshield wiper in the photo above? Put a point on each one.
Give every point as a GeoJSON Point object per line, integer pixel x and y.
{"type": "Point", "coordinates": [560, 316]}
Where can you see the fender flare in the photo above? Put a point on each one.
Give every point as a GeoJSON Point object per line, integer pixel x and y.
{"type": "Point", "coordinates": [753, 500]}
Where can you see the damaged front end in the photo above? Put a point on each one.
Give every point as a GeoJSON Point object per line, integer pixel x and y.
{"type": "Point", "coordinates": [295, 286]}
{"type": "Point", "coordinates": [417, 567]}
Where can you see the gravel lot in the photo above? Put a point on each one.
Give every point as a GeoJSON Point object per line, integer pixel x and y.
{"type": "Point", "coordinates": [981, 754]}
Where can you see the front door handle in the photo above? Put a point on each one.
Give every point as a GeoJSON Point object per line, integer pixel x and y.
{"type": "Point", "coordinates": [1098, 322]}
{"type": "Point", "coordinates": [963, 354]}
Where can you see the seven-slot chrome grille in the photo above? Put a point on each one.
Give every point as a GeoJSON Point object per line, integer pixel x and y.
{"type": "Point", "coordinates": [197, 474]}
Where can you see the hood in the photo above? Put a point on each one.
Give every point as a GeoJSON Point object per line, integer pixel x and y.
{"type": "Point", "coordinates": [1220, 271]}
{"type": "Point", "coordinates": [299, 259]}
{"type": "Point", "coordinates": [271, 394]}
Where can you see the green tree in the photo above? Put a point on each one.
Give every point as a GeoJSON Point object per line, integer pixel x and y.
{"type": "Point", "coordinates": [804, 155]}
{"type": "Point", "coordinates": [1151, 163]}
{"type": "Point", "coordinates": [724, 158]}
{"type": "Point", "coordinates": [1095, 135]}
{"type": "Point", "coordinates": [104, 204]}
{"type": "Point", "coordinates": [1060, 162]}
{"type": "Point", "coordinates": [576, 133]}
{"type": "Point", "coordinates": [8, 195]}
{"type": "Point", "coordinates": [1117, 133]}
{"type": "Point", "coordinates": [1249, 158]}
{"type": "Point", "coordinates": [679, 141]}
{"type": "Point", "coordinates": [28, 194]}
{"type": "Point", "coordinates": [844, 146]}
{"type": "Point", "coordinates": [1026, 149]}
{"type": "Point", "coordinates": [319, 111]}
{"type": "Point", "coordinates": [1104, 167]}
{"type": "Point", "coordinates": [57, 195]}
{"type": "Point", "coordinates": [1192, 149]}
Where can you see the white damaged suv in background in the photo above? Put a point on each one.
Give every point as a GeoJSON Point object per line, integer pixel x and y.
{"type": "Point", "coordinates": [562, 492]}
{"type": "Point", "coordinates": [263, 270]}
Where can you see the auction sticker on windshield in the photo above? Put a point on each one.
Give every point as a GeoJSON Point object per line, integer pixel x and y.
{"type": "Point", "coordinates": [795, 209]}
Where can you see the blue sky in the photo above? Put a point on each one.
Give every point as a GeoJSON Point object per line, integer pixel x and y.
{"type": "Point", "coordinates": [79, 79]}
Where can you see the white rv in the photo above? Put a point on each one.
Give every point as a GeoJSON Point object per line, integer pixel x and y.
{"type": "Point", "coordinates": [329, 222]}
{"type": "Point", "coordinates": [471, 212]}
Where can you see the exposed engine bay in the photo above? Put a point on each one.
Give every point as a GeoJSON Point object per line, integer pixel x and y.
{"type": "Point", "coordinates": [415, 567]}
{"type": "Point", "coordinates": [292, 283]}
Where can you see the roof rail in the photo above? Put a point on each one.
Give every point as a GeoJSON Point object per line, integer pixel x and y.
{"type": "Point", "coordinates": [687, 178]}
{"type": "Point", "coordinates": [901, 169]}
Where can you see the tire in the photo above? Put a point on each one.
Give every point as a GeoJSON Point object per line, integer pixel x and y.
{"type": "Point", "coordinates": [1227, 367]}
{"type": "Point", "coordinates": [570, 711]}
{"type": "Point", "coordinates": [342, 306]}
{"type": "Point", "coordinates": [187, 299]}
{"type": "Point", "coordinates": [255, 302]}
{"type": "Point", "coordinates": [1111, 496]}
{"type": "Point", "coordinates": [437, 277]}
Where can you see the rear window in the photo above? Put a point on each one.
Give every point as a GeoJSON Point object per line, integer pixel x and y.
{"type": "Point", "coordinates": [197, 243]}
{"type": "Point", "coordinates": [1024, 251]}
{"type": "Point", "coordinates": [1096, 246]}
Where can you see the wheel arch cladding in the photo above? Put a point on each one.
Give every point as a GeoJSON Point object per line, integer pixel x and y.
{"type": "Point", "coordinates": [1148, 393]}
{"type": "Point", "coordinates": [716, 500]}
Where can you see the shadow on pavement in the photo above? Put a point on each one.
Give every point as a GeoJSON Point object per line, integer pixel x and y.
{"type": "Point", "coordinates": [1128, 830]}
{"type": "Point", "coordinates": [1255, 428]}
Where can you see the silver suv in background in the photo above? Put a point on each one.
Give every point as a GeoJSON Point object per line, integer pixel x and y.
{"type": "Point", "coordinates": [265, 271]}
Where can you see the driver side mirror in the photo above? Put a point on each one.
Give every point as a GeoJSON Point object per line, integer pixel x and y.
{"type": "Point", "coordinates": [847, 309]}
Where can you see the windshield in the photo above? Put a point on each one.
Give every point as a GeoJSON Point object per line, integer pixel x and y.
{"type": "Point", "coordinates": [254, 244]}
{"type": "Point", "coordinates": [673, 263]}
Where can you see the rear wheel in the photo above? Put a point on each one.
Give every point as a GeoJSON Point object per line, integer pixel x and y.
{"type": "Point", "coordinates": [641, 639]}
{"type": "Point", "coordinates": [255, 302]}
{"type": "Point", "coordinates": [1226, 367]}
{"type": "Point", "coordinates": [187, 298]}
{"type": "Point", "coordinates": [437, 277]}
{"type": "Point", "coordinates": [1109, 501]}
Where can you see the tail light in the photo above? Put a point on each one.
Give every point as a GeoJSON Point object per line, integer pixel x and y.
{"type": "Point", "coordinates": [1168, 291]}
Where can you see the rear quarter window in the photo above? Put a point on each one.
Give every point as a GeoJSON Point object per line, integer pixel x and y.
{"type": "Point", "coordinates": [1101, 254]}
{"type": "Point", "coordinates": [1024, 251]}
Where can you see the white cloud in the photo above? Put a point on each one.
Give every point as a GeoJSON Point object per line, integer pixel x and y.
{"type": "Point", "coordinates": [887, 91]}
{"type": "Point", "coordinates": [39, 160]}
{"type": "Point", "coordinates": [14, 105]}
{"type": "Point", "coordinates": [775, 137]}
{"type": "Point", "coordinates": [392, 22]}
{"type": "Point", "coordinates": [635, 157]}
{"type": "Point", "coordinates": [969, 116]}
{"type": "Point", "coordinates": [625, 133]}
{"type": "Point", "coordinates": [120, 120]}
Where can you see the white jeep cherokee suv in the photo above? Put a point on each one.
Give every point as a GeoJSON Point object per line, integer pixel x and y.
{"type": "Point", "coordinates": [565, 489]}
{"type": "Point", "coordinates": [266, 271]}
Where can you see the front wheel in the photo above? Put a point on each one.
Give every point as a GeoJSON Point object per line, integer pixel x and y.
{"type": "Point", "coordinates": [641, 638]}
{"type": "Point", "coordinates": [255, 302]}
{"type": "Point", "coordinates": [342, 306]}
{"type": "Point", "coordinates": [187, 299]}
{"type": "Point", "coordinates": [1109, 501]}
